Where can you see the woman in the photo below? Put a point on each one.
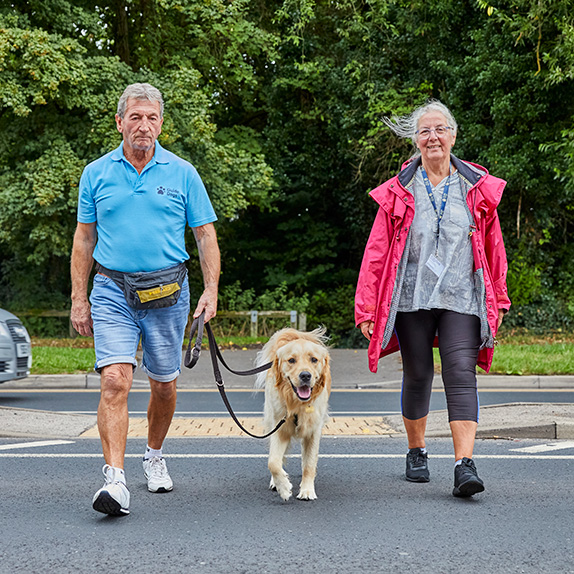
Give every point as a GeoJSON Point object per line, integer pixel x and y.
{"type": "Point", "coordinates": [434, 273]}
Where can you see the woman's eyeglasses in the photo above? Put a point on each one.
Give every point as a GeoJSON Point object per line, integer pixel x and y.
{"type": "Point", "coordinates": [440, 131]}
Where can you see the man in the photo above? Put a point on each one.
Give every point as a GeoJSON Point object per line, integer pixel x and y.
{"type": "Point", "coordinates": [134, 204]}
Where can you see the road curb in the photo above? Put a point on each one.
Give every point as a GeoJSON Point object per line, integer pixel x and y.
{"type": "Point", "coordinates": [511, 420]}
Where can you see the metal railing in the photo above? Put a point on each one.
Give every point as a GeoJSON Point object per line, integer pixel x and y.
{"type": "Point", "coordinates": [296, 320]}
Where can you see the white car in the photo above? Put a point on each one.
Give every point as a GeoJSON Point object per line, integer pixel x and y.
{"type": "Point", "coordinates": [15, 348]}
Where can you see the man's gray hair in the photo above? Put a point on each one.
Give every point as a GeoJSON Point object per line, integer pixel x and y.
{"type": "Point", "coordinates": [407, 126]}
{"type": "Point", "coordinates": [139, 92]}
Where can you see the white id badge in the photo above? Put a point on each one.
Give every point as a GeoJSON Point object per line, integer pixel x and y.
{"type": "Point", "coordinates": [435, 265]}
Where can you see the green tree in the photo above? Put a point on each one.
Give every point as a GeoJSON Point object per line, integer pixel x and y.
{"type": "Point", "coordinates": [279, 104]}
{"type": "Point", "coordinates": [63, 66]}
{"type": "Point", "coordinates": [542, 32]}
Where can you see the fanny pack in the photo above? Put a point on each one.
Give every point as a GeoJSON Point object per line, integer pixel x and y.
{"type": "Point", "coordinates": [149, 290]}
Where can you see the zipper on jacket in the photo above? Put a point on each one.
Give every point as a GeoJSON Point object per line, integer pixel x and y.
{"type": "Point", "coordinates": [471, 212]}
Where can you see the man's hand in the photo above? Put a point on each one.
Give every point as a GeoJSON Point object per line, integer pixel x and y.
{"type": "Point", "coordinates": [81, 318]}
{"type": "Point", "coordinates": [208, 303]}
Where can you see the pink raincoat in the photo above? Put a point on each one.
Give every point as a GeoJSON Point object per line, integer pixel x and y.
{"type": "Point", "coordinates": [387, 242]}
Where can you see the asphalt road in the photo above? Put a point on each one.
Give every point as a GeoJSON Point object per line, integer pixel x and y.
{"type": "Point", "coordinates": [221, 518]}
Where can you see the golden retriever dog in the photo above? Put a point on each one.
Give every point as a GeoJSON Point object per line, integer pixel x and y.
{"type": "Point", "coordinates": [297, 388]}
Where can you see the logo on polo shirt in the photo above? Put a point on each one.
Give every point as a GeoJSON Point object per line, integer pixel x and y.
{"type": "Point", "coordinates": [169, 191]}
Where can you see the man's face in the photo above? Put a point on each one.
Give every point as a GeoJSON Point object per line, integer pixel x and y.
{"type": "Point", "coordinates": [141, 124]}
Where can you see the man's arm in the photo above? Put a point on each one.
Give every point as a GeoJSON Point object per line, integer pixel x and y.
{"type": "Point", "coordinates": [82, 261]}
{"type": "Point", "coordinates": [210, 261]}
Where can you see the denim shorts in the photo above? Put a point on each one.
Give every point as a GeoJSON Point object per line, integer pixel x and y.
{"type": "Point", "coordinates": [118, 330]}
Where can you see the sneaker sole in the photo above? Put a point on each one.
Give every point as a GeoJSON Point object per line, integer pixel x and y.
{"type": "Point", "coordinates": [418, 479]}
{"type": "Point", "coordinates": [468, 489]}
{"type": "Point", "coordinates": [109, 505]}
{"type": "Point", "coordinates": [160, 490]}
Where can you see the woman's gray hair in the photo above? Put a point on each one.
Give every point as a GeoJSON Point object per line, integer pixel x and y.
{"type": "Point", "coordinates": [407, 126]}
{"type": "Point", "coordinates": [139, 92]}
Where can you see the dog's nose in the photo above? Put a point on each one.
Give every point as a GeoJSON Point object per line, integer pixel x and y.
{"type": "Point", "coordinates": [305, 377]}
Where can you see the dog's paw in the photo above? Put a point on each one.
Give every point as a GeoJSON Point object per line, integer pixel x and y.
{"type": "Point", "coordinates": [282, 485]}
{"type": "Point", "coordinates": [307, 494]}
{"type": "Point", "coordinates": [285, 492]}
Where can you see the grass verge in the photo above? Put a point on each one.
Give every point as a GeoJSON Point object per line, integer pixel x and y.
{"type": "Point", "coordinates": [72, 356]}
{"type": "Point", "coordinates": [533, 359]}
{"type": "Point", "coordinates": [62, 360]}
{"type": "Point", "coordinates": [526, 354]}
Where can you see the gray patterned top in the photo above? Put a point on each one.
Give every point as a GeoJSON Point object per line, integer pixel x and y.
{"type": "Point", "coordinates": [454, 287]}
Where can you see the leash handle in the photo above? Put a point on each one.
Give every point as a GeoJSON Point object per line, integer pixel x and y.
{"type": "Point", "coordinates": [192, 356]}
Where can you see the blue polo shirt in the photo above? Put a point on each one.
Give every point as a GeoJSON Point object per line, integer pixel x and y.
{"type": "Point", "coordinates": [141, 218]}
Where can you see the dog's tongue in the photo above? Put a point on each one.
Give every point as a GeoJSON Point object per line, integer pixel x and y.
{"type": "Point", "coordinates": [304, 392]}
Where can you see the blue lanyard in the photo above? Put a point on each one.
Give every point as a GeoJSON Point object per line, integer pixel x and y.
{"type": "Point", "coordinates": [439, 212]}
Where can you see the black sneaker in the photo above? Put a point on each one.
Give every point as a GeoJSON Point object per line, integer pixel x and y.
{"type": "Point", "coordinates": [466, 481]}
{"type": "Point", "coordinates": [417, 466]}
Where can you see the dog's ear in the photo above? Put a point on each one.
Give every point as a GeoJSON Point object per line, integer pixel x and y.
{"type": "Point", "coordinates": [325, 378]}
{"type": "Point", "coordinates": [275, 370]}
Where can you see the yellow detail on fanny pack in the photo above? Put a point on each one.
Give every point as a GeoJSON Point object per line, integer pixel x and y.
{"type": "Point", "coordinates": [158, 292]}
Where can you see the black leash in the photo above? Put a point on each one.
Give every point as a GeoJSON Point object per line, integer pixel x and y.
{"type": "Point", "coordinates": [192, 356]}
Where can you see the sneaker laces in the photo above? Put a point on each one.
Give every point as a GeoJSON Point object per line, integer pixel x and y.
{"type": "Point", "coordinates": [110, 474]}
{"type": "Point", "coordinates": [157, 467]}
{"type": "Point", "coordinates": [417, 459]}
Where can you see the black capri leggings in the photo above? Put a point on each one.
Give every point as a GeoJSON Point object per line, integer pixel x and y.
{"type": "Point", "coordinates": [459, 342]}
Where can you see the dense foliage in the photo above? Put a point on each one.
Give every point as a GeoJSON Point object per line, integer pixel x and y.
{"type": "Point", "coordinates": [279, 104]}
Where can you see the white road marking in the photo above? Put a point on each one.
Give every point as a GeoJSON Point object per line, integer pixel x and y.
{"type": "Point", "coordinates": [545, 447]}
{"type": "Point", "coordinates": [361, 386]}
{"type": "Point", "coordinates": [244, 413]}
{"type": "Point", "coordinates": [323, 456]}
{"type": "Point", "coordinates": [31, 444]}
{"type": "Point", "coordinates": [362, 390]}
{"type": "Point", "coordinates": [178, 413]}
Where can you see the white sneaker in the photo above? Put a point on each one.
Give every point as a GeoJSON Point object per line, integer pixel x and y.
{"type": "Point", "coordinates": [114, 497]}
{"type": "Point", "coordinates": [158, 479]}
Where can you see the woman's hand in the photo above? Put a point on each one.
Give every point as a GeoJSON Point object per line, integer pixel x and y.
{"type": "Point", "coordinates": [367, 328]}
{"type": "Point", "coordinates": [501, 314]}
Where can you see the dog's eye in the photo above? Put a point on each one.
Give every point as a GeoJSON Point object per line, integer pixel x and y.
{"type": "Point", "coordinates": [314, 359]}
{"type": "Point", "coordinates": [292, 360]}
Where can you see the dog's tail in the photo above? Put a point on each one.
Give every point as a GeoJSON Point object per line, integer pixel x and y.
{"type": "Point", "coordinates": [280, 338]}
